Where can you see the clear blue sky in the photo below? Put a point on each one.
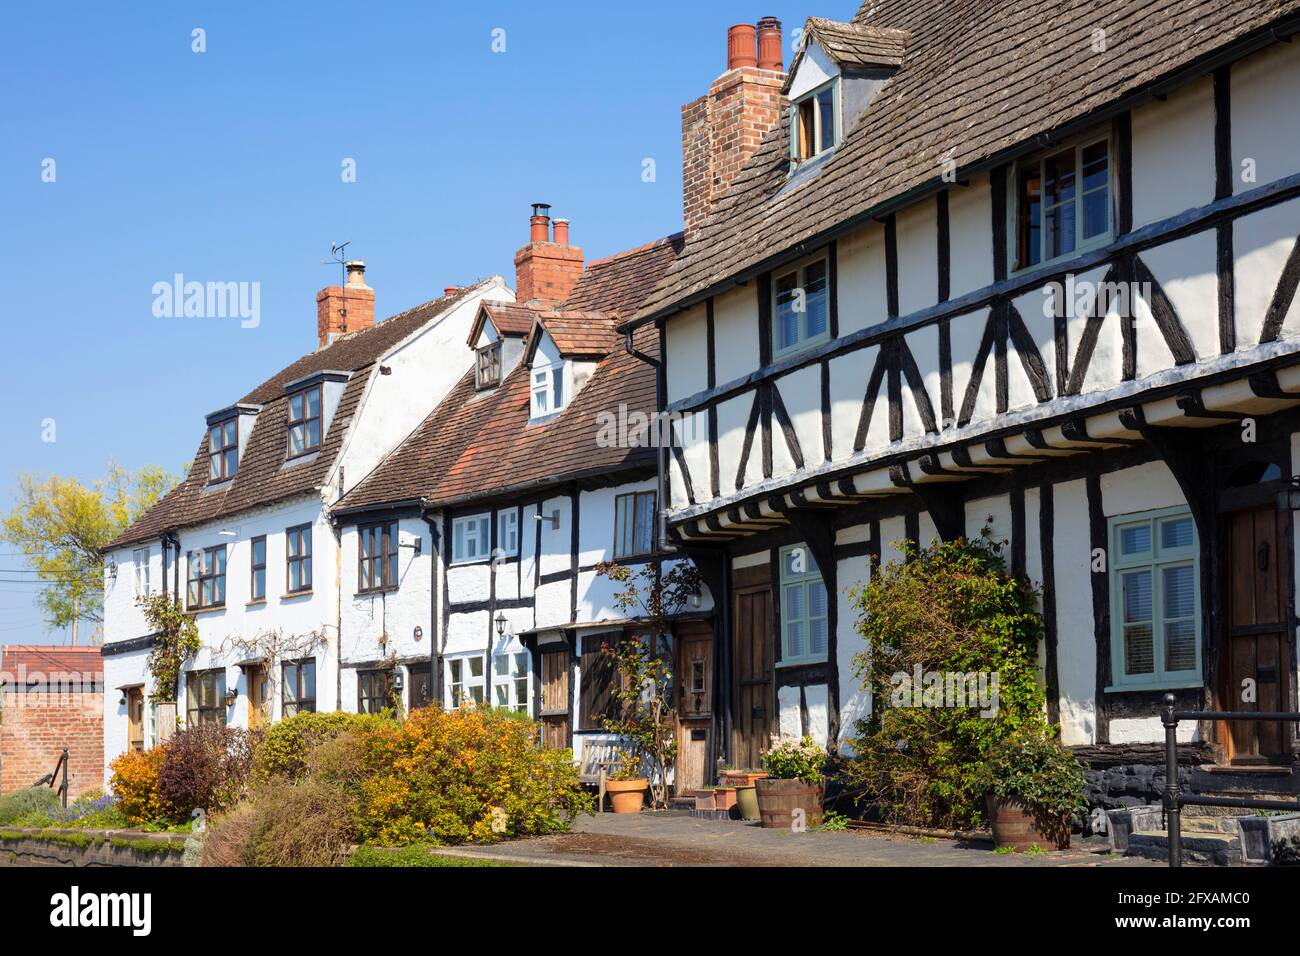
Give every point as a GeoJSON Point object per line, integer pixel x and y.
{"type": "Point", "coordinates": [225, 166]}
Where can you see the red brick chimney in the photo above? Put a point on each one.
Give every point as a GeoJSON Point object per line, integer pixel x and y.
{"type": "Point", "coordinates": [546, 269]}
{"type": "Point", "coordinates": [341, 309]}
{"type": "Point", "coordinates": [724, 128]}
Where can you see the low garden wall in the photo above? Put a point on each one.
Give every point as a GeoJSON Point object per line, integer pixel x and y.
{"type": "Point", "coordinates": [25, 846]}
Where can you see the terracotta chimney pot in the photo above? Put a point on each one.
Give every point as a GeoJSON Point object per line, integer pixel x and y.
{"type": "Point", "coordinates": [741, 48]}
{"type": "Point", "coordinates": [769, 44]}
{"type": "Point", "coordinates": [561, 231]}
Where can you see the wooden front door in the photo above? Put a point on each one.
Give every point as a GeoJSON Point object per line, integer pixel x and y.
{"type": "Point", "coordinates": [1255, 659]}
{"type": "Point", "coordinates": [752, 692]}
{"type": "Point", "coordinates": [556, 666]}
{"type": "Point", "coordinates": [694, 678]}
{"type": "Point", "coordinates": [135, 718]}
{"type": "Point", "coordinates": [259, 697]}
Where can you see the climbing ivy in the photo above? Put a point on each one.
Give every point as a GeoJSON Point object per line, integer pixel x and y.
{"type": "Point", "coordinates": [176, 641]}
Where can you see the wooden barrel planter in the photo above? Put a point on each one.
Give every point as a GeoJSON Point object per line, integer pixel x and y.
{"type": "Point", "coordinates": [779, 799]}
{"type": "Point", "coordinates": [1017, 827]}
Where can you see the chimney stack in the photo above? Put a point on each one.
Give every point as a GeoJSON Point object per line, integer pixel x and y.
{"type": "Point", "coordinates": [546, 269]}
{"type": "Point", "coordinates": [724, 128]}
{"type": "Point", "coordinates": [341, 309]}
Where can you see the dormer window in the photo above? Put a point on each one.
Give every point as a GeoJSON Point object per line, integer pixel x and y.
{"type": "Point", "coordinates": [547, 390]}
{"type": "Point", "coordinates": [223, 450]}
{"type": "Point", "coordinates": [304, 422]}
{"type": "Point", "coordinates": [814, 122]}
{"type": "Point", "coordinates": [488, 369]}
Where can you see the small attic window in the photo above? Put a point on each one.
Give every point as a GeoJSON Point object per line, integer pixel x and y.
{"type": "Point", "coordinates": [814, 122]}
{"type": "Point", "coordinates": [488, 367]}
{"type": "Point", "coordinates": [304, 422]}
{"type": "Point", "coordinates": [547, 394]}
{"type": "Point", "coordinates": [223, 450]}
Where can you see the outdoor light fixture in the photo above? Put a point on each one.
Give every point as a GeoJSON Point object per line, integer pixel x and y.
{"type": "Point", "coordinates": [1288, 499]}
{"type": "Point", "coordinates": [553, 518]}
{"type": "Point", "coordinates": [416, 546]}
{"type": "Point", "coordinates": [232, 694]}
{"type": "Point", "coordinates": [398, 681]}
{"type": "Point", "coordinates": [501, 624]}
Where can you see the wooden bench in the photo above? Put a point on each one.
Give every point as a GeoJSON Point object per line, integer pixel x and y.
{"type": "Point", "coordinates": [598, 758]}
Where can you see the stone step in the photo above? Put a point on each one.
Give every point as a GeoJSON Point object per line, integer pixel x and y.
{"type": "Point", "coordinates": [1206, 849]}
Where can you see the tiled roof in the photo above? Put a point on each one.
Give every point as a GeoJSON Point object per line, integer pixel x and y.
{"type": "Point", "coordinates": [510, 319]}
{"type": "Point", "coordinates": [580, 334]}
{"type": "Point", "coordinates": [853, 44]}
{"type": "Point", "coordinates": [480, 445]}
{"type": "Point", "coordinates": [980, 77]}
{"type": "Point", "coordinates": [263, 476]}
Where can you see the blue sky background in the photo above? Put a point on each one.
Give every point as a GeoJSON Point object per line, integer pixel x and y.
{"type": "Point", "coordinates": [225, 166]}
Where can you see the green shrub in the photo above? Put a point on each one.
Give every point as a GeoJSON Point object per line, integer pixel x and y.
{"type": "Point", "coordinates": [282, 752]}
{"type": "Point", "coordinates": [1034, 769]}
{"type": "Point", "coordinates": [27, 802]}
{"type": "Point", "coordinates": [204, 768]}
{"type": "Point", "coordinates": [414, 855]}
{"type": "Point", "coordinates": [308, 823]}
{"type": "Point", "coordinates": [949, 609]}
{"type": "Point", "coordinates": [463, 775]}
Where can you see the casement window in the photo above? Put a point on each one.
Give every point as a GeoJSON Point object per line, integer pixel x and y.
{"type": "Point", "coordinates": [471, 538]}
{"type": "Point", "coordinates": [298, 687]}
{"type": "Point", "coordinates": [304, 422]}
{"type": "Point", "coordinates": [223, 450]}
{"type": "Point", "coordinates": [297, 557]}
{"type": "Point", "coordinates": [508, 532]}
{"type": "Point", "coordinates": [488, 367]}
{"type": "Point", "coordinates": [1062, 203]}
{"type": "Point", "coordinates": [547, 394]}
{"type": "Point", "coordinates": [634, 524]}
{"type": "Point", "coordinates": [377, 557]}
{"type": "Point", "coordinates": [803, 607]}
{"type": "Point", "coordinates": [598, 684]}
{"type": "Point", "coordinates": [374, 690]}
{"type": "Point", "coordinates": [800, 307]}
{"type": "Point", "coordinates": [257, 569]}
{"type": "Point", "coordinates": [512, 682]}
{"type": "Point", "coordinates": [814, 122]}
{"type": "Point", "coordinates": [1155, 600]}
{"type": "Point", "coordinates": [140, 570]}
{"type": "Point", "coordinates": [465, 683]}
{"type": "Point", "coordinates": [205, 697]}
{"type": "Point", "coordinates": [206, 578]}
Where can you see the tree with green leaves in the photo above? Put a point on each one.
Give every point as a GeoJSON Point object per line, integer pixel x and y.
{"type": "Point", "coordinates": [60, 527]}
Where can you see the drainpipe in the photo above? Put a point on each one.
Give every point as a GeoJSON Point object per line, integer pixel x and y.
{"type": "Point", "coordinates": [435, 645]}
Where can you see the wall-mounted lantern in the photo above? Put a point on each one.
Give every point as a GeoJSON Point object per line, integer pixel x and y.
{"type": "Point", "coordinates": [1288, 499]}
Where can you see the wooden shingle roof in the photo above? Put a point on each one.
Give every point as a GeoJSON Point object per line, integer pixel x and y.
{"type": "Point", "coordinates": [980, 79]}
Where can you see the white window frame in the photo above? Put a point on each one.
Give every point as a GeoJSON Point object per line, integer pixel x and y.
{"type": "Point", "coordinates": [836, 134]}
{"type": "Point", "coordinates": [140, 571]}
{"type": "Point", "coordinates": [1080, 244]}
{"type": "Point", "coordinates": [542, 381]}
{"type": "Point", "coordinates": [507, 536]}
{"type": "Point", "coordinates": [803, 580]}
{"type": "Point", "coordinates": [481, 525]}
{"type": "Point", "coordinates": [800, 272]}
{"type": "Point", "coordinates": [1156, 559]}
{"type": "Point", "coordinates": [467, 681]}
{"type": "Point", "coordinates": [509, 679]}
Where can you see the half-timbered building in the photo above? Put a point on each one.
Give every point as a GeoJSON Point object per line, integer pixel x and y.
{"type": "Point", "coordinates": [1029, 266]}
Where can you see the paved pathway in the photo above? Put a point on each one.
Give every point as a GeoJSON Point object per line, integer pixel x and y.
{"type": "Point", "coordinates": [677, 839]}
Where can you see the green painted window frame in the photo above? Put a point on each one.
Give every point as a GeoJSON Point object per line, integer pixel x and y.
{"type": "Point", "coordinates": [803, 580]}
{"type": "Point", "coordinates": [1156, 559]}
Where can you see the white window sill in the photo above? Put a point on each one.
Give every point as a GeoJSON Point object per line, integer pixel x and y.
{"type": "Point", "coordinates": [800, 661]}
{"type": "Point", "coordinates": [1186, 683]}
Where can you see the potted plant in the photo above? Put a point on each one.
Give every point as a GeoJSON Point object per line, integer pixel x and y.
{"type": "Point", "coordinates": [794, 783]}
{"type": "Point", "coordinates": [704, 799]}
{"type": "Point", "coordinates": [1034, 786]}
{"type": "Point", "coordinates": [626, 786]}
{"type": "Point", "coordinates": [739, 778]}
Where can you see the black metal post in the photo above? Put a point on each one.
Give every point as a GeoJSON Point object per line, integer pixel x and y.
{"type": "Point", "coordinates": [1172, 796]}
{"type": "Point", "coordinates": [63, 787]}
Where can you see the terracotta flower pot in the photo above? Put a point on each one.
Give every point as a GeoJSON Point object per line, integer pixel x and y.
{"type": "Point", "coordinates": [703, 799]}
{"type": "Point", "coordinates": [724, 798]}
{"type": "Point", "coordinates": [1018, 827]}
{"type": "Point", "coordinates": [739, 778]}
{"type": "Point", "coordinates": [627, 796]}
{"type": "Point", "coordinates": [778, 801]}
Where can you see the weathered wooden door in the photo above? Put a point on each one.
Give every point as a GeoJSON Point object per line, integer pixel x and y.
{"type": "Point", "coordinates": [259, 697]}
{"type": "Point", "coordinates": [1255, 658]}
{"type": "Point", "coordinates": [556, 662]}
{"type": "Point", "coordinates": [751, 690]}
{"type": "Point", "coordinates": [135, 718]}
{"type": "Point", "coordinates": [694, 678]}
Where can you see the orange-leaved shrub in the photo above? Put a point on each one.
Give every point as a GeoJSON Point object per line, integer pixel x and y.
{"type": "Point", "coordinates": [463, 775]}
{"type": "Point", "coordinates": [134, 782]}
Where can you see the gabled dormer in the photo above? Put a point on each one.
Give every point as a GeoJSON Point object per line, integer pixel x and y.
{"type": "Point", "coordinates": [839, 69]}
{"type": "Point", "coordinates": [310, 406]}
{"type": "Point", "coordinates": [228, 431]}
{"type": "Point", "coordinates": [498, 338]}
{"type": "Point", "coordinates": [563, 352]}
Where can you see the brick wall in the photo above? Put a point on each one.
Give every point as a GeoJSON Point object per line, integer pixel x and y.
{"type": "Point", "coordinates": [721, 131]}
{"type": "Point", "coordinates": [546, 272]}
